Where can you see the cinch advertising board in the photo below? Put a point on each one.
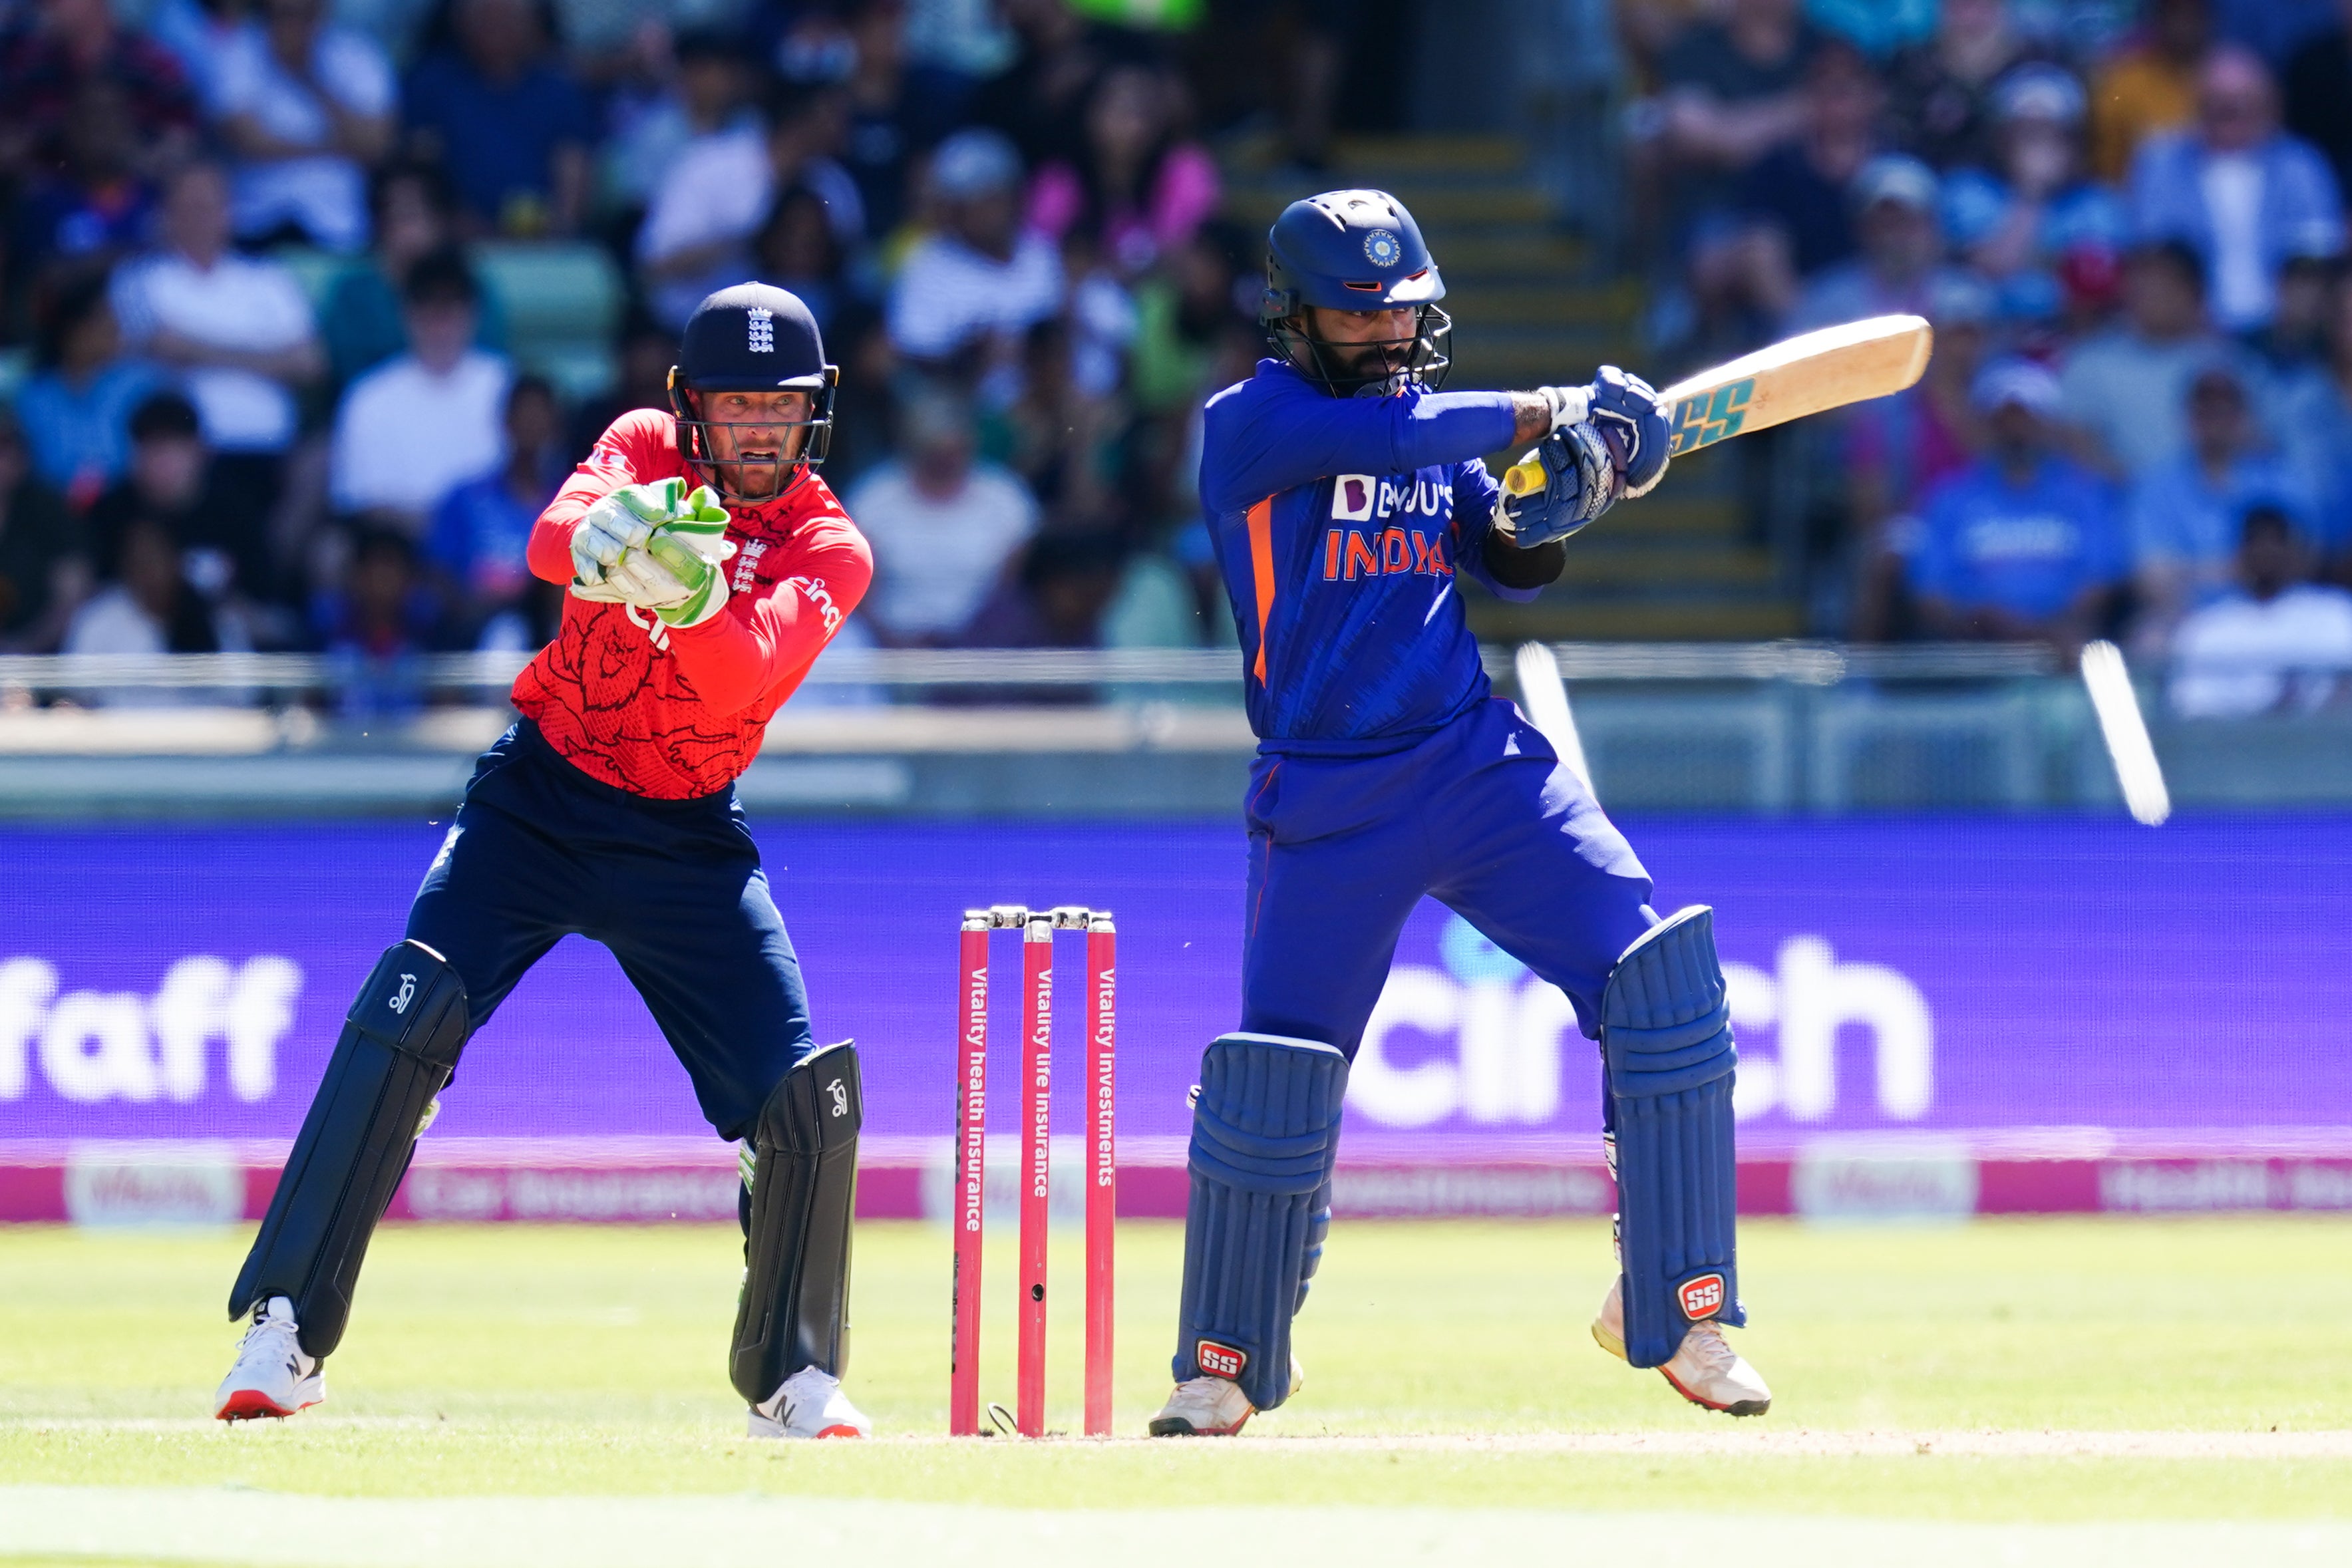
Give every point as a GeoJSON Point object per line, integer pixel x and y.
{"type": "Point", "coordinates": [1894, 980]}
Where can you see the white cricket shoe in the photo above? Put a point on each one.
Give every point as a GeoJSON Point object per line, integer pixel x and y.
{"type": "Point", "coordinates": [1705, 1370]}
{"type": "Point", "coordinates": [1212, 1407]}
{"type": "Point", "coordinates": [809, 1403]}
{"type": "Point", "coordinates": [272, 1375]}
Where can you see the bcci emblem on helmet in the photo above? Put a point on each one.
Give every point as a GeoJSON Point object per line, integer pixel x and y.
{"type": "Point", "coordinates": [1382, 249]}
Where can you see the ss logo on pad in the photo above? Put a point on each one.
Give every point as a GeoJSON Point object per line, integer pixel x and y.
{"type": "Point", "coordinates": [1220, 1360]}
{"type": "Point", "coordinates": [1702, 1297]}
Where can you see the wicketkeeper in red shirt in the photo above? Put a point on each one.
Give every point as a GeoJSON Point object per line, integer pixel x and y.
{"type": "Point", "coordinates": [709, 565]}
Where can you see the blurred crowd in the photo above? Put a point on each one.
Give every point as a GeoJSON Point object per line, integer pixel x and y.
{"type": "Point", "coordinates": [266, 396]}
{"type": "Point", "coordinates": [2127, 222]}
{"type": "Point", "coordinates": [264, 389]}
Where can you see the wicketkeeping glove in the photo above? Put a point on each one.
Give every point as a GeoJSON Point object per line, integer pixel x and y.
{"type": "Point", "coordinates": [639, 581]}
{"type": "Point", "coordinates": [615, 524]}
{"type": "Point", "coordinates": [632, 519]}
{"type": "Point", "coordinates": [694, 548]}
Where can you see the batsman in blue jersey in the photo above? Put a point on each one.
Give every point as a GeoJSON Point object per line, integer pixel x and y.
{"type": "Point", "coordinates": [1344, 492]}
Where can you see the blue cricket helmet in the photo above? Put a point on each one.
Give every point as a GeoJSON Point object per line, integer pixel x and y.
{"type": "Point", "coordinates": [1353, 250]}
{"type": "Point", "coordinates": [1347, 250]}
{"type": "Point", "coordinates": [753, 336]}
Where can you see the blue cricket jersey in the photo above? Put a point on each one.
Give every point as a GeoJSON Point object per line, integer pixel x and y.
{"type": "Point", "coordinates": [1338, 524]}
{"type": "Point", "coordinates": [2030, 549]}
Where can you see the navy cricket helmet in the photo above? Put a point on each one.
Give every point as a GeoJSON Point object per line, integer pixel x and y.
{"type": "Point", "coordinates": [753, 337]}
{"type": "Point", "coordinates": [1354, 250]}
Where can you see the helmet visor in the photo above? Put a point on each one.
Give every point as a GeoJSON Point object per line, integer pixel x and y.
{"type": "Point", "coordinates": [751, 444]}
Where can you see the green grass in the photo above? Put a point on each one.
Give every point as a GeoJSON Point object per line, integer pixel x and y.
{"type": "Point", "coordinates": [512, 1360]}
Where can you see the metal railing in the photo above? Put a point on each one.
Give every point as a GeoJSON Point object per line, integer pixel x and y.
{"type": "Point", "coordinates": [1757, 727]}
{"type": "Point", "coordinates": [1800, 663]}
{"type": "Point", "coordinates": [890, 667]}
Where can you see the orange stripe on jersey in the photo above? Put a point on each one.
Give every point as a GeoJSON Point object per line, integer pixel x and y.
{"type": "Point", "coordinates": [1261, 532]}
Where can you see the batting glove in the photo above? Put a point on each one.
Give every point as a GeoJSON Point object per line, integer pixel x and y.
{"type": "Point", "coordinates": [1625, 410]}
{"type": "Point", "coordinates": [1569, 404]}
{"type": "Point", "coordinates": [1568, 479]}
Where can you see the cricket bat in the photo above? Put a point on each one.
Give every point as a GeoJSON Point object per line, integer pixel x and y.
{"type": "Point", "coordinates": [1806, 374]}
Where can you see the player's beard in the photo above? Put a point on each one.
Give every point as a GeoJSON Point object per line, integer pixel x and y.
{"type": "Point", "coordinates": [1373, 368]}
{"type": "Point", "coordinates": [753, 476]}
{"type": "Point", "coordinates": [759, 475]}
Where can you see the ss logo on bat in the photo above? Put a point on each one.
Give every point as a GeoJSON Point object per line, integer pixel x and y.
{"type": "Point", "coordinates": [1716, 417]}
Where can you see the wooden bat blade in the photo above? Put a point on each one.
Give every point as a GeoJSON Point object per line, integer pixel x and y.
{"type": "Point", "coordinates": [1806, 374]}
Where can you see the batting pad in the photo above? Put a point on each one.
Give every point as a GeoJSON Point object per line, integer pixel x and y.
{"type": "Point", "coordinates": [399, 1043]}
{"type": "Point", "coordinates": [803, 1192]}
{"type": "Point", "coordinates": [1264, 1132]}
{"type": "Point", "coordinates": [1665, 1035]}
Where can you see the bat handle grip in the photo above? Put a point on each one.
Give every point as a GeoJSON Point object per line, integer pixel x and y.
{"type": "Point", "coordinates": [1525, 477]}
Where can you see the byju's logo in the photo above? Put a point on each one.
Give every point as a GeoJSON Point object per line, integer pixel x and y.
{"type": "Point", "coordinates": [95, 1046]}
{"type": "Point", "coordinates": [406, 995]}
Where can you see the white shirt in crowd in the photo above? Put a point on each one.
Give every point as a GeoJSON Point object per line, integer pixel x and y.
{"type": "Point", "coordinates": [719, 193]}
{"type": "Point", "coordinates": [1105, 321]}
{"type": "Point", "coordinates": [239, 303]}
{"type": "Point", "coordinates": [113, 622]}
{"type": "Point", "coordinates": [2233, 188]}
{"type": "Point", "coordinates": [2238, 657]}
{"type": "Point", "coordinates": [404, 437]}
{"type": "Point", "coordinates": [947, 293]}
{"type": "Point", "coordinates": [325, 195]}
{"type": "Point", "coordinates": [936, 560]}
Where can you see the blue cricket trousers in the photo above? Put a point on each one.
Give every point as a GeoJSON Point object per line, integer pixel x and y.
{"type": "Point", "coordinates": [540, 850]}
{"type": "Point", "coordinates": [1481, 815]}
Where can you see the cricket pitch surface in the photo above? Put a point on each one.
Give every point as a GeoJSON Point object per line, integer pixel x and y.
{"type": "Point", "coordinates": [2075, 1391]}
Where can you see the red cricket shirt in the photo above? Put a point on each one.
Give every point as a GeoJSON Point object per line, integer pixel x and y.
{"type": "Point", "coordinates": [676, 713]}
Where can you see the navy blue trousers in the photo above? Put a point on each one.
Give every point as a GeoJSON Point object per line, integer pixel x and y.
{"type": "Point", "coordinates": [1481, 816]}
{"type": "Point", "coordinates": [540, 851]}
